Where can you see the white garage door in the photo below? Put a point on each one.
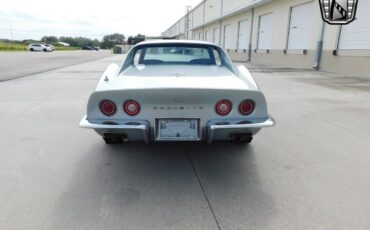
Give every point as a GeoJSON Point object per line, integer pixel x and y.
{"type": "Point", "coordinates": [216, 36]}
{"type": "Point", "coordinates": [208, 36]}
{"type": "Point", "coordinates": [265, 32]}
{"type": "Point", "coordinates": [356, 35]}
{"type": "Point", "coordinates": [243, 36]}
{"type": "Point", "coordinates": [200, 36]}
{"type": "Point", "coordinates": [227, 35]}
{"type": "Point", "coordinates": [300, 28]}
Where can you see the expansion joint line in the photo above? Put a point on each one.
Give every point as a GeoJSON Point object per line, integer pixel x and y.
{"type": "Point", "coordinates": [202, 188]}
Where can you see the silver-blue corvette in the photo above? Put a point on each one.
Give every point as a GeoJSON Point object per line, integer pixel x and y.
{"type": "Point", "coordinates": [176, 91]}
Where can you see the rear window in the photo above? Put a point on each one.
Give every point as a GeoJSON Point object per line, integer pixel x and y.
{"type": "Point", "coordinates": [176, 54]}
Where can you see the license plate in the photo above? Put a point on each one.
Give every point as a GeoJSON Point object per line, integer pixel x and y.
{"type": "Point", "coordinates": [178, 129]}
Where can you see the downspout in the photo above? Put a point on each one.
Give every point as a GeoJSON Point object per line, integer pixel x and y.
{"type": "Point", "coordinates": [204, 18]}
{"type": "Point", "coordinates": [192, 26]}
{"type": "Point", "coordinates": [220, 30]}
{"type": "Point", "coordinates": [319, 48]}
{"type": "Point", "coordinates": [222, 7]}
{"type": "Point", "coordinates": [250, 38]}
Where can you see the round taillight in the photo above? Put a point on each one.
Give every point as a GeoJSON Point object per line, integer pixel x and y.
{"type": "Point", "coordinates": [131, 107]}
{"type": "Point", "coordinates": [107, 107]}
{"type": "Point", "coordinates": [246, 107]}
{"type": "Point", "coordinates": [223, 107]}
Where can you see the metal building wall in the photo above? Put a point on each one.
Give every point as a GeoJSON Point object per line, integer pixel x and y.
{"type": "Point", "coordinates": [209, 16]}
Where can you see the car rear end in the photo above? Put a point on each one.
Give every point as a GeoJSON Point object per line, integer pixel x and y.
{"type": "Point", "coordinates": [176, 91]}
{"type": "Point", "coordinates": [178, 113]}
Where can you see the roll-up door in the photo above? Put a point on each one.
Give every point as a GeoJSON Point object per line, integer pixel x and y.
{"type": "Point", "coordinates": [356, 35]}
{"type": "Point", "coordinates": [216, 36]}
{"type": "Point", "coordinates": [300, 28]}
{"type": "Point", "coordinates": [227, 35]}
{"type": "Point", "coordinates": [265, 32]}
{"type": "Point", "coordinates": [200, 36]}
{"type": "Point", "coordinates": [208, 36]}
{"type": "Point", "coordinates": [244, 35]}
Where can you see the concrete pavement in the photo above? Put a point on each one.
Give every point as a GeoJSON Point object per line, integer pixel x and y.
{"type": "Point", "coordinates": [311, 171]}
{"type": "Point", "coordinates": [20, 64]}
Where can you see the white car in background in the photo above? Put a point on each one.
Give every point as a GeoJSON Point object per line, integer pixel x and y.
{"type": "Point", "coordinates": [50, 46]}
{"type": "Point", "coordinates": [39, 47]}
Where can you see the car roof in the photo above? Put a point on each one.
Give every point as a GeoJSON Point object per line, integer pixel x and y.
{"type": "Point", "coordinates": [192, 42]}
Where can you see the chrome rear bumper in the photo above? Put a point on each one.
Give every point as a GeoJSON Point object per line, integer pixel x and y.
{"type": "Point", "coordinates": [214, 129]}
{"type": "Point", "coordinates": [141, 130]}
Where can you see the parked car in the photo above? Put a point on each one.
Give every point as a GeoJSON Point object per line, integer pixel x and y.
{"type": "Point", "coordinates": [39, 47]}
{"type": "Point", "coordinates": [87, 48]}
{"type": "Point", "coordinates": [51, 46]}
{"type": "Point", "coordinates": [95, 48]}
{"type": "Point", "coordinates": [176, 91]}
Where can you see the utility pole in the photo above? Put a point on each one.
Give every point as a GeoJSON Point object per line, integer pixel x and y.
{"type": "Point", "coordinates": [11, 31]}
{"type": "Point", "coordinates": [187, 21]}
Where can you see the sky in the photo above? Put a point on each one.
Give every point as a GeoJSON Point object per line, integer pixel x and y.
{"type": "Point", "coordinates": [23, 19]}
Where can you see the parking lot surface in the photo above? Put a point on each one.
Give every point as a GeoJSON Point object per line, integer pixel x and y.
{"type": "Point", "coordinates": [311, 171]}
{"type": "Point", "coordinates": [20, 64]}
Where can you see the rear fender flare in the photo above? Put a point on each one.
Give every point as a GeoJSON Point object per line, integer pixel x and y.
{"type": "Point", "coordinates": [247, 77]}
{"type": "Point", "coordinates": [109, 73]}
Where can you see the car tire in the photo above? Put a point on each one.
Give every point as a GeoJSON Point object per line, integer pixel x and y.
{"type": "Point", "coordinates": [32, 50]}
{"type": "Point", "coordinates": [45, 50]}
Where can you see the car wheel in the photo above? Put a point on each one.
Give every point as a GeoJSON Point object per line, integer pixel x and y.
{"type": "Point", "coordinates": [32, 50]}
{"type": "Point", "coordinates": [45, 50]}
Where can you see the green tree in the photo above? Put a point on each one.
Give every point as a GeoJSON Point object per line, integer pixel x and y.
{"type": "Point", "coordinates": [113, 39]}
{"type": "Point", "coordinates": [96, 42]}
{"type": "Point", "coordinates": [49, 39]}
{"type": "Point", "coordinates": [134, 40]}
{"type": "Point", "coordinates": [71, 41]}
{"type": "Point", "coordinates": [79, 41]}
